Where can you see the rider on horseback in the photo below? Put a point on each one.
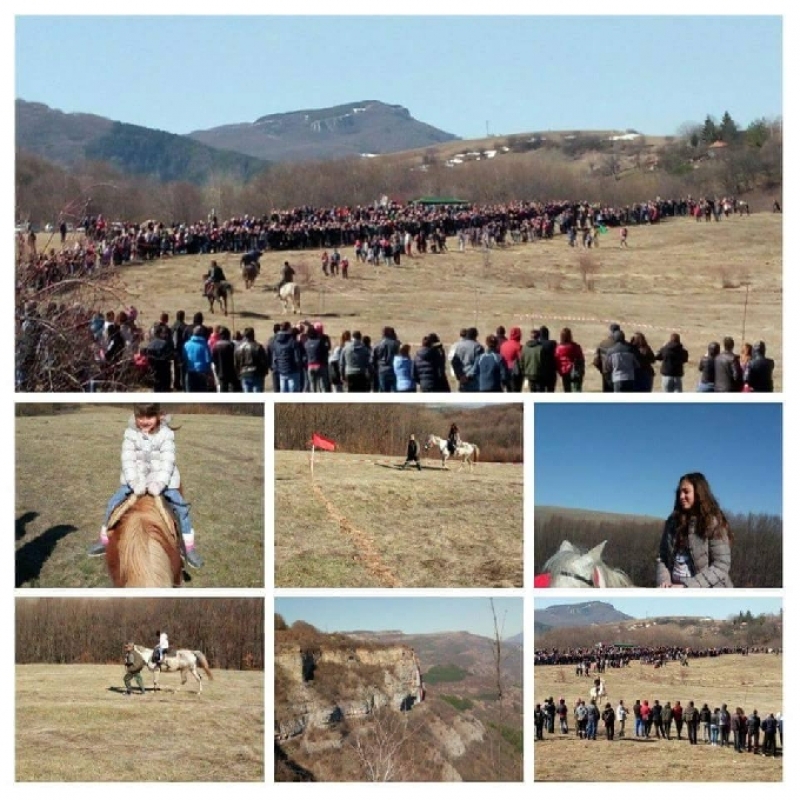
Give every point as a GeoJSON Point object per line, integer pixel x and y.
{"type": "Point", "coordinates": [160, 650]}
{"type": "Point", "coordinates": [453, 438]}
{"type": "Point", "coordinates": [287, 275]}
{"type": "Point", "coordinates": [214, 277]}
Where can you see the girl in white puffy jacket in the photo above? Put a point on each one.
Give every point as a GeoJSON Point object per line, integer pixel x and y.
{"type": "Point", "coordinates": [148, 467]}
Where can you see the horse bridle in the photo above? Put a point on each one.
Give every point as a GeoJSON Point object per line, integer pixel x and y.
{"type": "Point", "coordinates": [577, 577]}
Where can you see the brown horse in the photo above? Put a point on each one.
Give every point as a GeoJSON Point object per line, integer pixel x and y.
{"type": "Point", "coordinates": [144, 547]}
{"type": "Point", "coordinates": [218, 293]}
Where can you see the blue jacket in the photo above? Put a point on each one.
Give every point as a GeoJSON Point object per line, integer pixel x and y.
{"type": "Point", "coordinates": [287, 357]}
{"type": "Point", "coordinates": [404, 372]}
{"type": "Point", "coordinates": [492, 372]}
{"type": "Point", "coordinates": [197, 354]}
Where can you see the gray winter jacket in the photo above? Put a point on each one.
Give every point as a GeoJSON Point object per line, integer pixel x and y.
{"type": "Point", "coordinates": [711, 558]}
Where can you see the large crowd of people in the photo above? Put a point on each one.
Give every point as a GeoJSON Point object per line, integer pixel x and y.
{"type": "Point", "coordinates": [304, 358]}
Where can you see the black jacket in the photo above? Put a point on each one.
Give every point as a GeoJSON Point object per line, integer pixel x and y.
{"type": "Point", "coordinates": [673, 356]}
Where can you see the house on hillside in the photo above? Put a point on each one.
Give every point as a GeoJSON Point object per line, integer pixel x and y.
{"type": "Point", "coordinates": [717, 148]}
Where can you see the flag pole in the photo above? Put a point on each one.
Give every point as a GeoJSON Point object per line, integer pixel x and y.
{"type": "Point", "coordinates": [312, 460]}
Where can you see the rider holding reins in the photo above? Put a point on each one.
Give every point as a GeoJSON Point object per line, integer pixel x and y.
{"type": "Point", "coordinates": [215, 275]}
{"type": "Point", "coordinates": [453, 438]}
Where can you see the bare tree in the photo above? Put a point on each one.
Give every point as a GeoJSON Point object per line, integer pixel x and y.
{"type": "Point", "coordinates": [497, 650]}
{"type": "Point", "coordinates": [380, 745]}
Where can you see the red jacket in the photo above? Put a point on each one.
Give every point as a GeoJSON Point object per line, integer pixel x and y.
{"type": "Point", "coordinates": [566, 356]}
{"type": "Point", "coordinates": [511, 347]}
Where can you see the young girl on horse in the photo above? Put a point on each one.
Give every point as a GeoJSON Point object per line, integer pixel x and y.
{"type": "Point", "coordinates": [148, 467]}
{"type": "Point", "coordinates": [453, 438]}
{"type": "Point", "coordinates": [160, 650]}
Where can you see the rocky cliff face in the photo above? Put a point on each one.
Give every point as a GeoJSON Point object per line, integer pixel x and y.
{"type": "Point", "coordinates": [320, 685]}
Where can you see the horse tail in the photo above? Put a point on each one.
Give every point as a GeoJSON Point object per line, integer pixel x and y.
{"type": "Point", "coordinates": [477, 453]}
{"type": "Point", "coordinates": [203, 662]}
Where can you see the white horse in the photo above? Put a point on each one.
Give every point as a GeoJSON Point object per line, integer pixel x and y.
{"type": "Point", "coordinates": [468, 453]}
{"type": "Point", "coordinates": [289, 295]}
{"type": "Point", "coordinates": [573, 568]}
{"type": "Point", "coordinates": [598, 690]}
{"type": "Point", "coordinates": [183, 661]}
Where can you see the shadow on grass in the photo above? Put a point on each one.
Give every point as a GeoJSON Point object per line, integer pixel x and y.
{"type": "Point", "coordinates": [19, 528]}
{"type": "Point", "coordinates": [399, 467]}
{"type": "Point", "coordinates": [123, 691]}
{"type": "Point", "coordinates": [31, 557]}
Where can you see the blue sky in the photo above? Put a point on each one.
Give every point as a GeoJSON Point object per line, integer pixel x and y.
{"type": "Point", "coordinates": [642, 607]}
{"type": "Point", "coordinates": [406, 614]}
{"type": "Point", "coordinates": [466, 75]}
{"type": "Point", "coordinates": [628, 457]}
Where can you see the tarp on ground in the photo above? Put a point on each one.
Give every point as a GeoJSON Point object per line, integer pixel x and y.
{"type": "Point", "coordinates": [439, 201]}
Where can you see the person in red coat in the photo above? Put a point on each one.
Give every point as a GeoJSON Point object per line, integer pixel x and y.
{"type": "Point", "coordinates": [570, 363]}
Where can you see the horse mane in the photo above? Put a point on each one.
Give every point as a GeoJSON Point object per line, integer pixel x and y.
{"type": "Point", "coordinates": [143, 548]}
{"type": "Point", "coordinates": [569, 562]}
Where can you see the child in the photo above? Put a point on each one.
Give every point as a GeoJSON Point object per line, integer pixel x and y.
{"type": "Point", "coordinates": [148, 467]}
{"type": "Point", "coordinates": [453, 438]}
{"type": "Point", "coordinates": [160, 650]}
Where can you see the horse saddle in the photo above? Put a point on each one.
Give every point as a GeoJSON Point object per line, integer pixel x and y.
{"type": "Point", "coordinates": [162, 506]}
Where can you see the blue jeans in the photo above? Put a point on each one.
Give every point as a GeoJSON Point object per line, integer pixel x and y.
{"type": "Point", "coordinates": [591, 729]}
{"type": "Point", "coordinates": [705, 387]}
{"type": "Point", "coordinates": [252, 383]}
{"type": "Point", "coordinates": [173, 497]}
{"type": "Point", "coordinates": [387, 381]}
{"type": "Point", "coordinates": [291, 382]}
{"type": "Point", "coordinates": [671, 384]}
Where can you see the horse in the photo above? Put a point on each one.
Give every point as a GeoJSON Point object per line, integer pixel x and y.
{"type": "Point", "coordinates": [468, 453]}
{"type": "Point", "coordinates": [573, 568]}
{"type": "Point", "coordinates": [183, 661]}
{"type": "Point", "coordinates": [144, 544]}
{"type": "Point", "coordinates": [598, 690]}
{"type": "Point", "coordinates": [250, 267]}
{"type": "Point", "coordinates": [250, 272]}
{"type": "Point", "coordinates": [218, 293]}
{"type": "Point", "coordinates": [289, 295]}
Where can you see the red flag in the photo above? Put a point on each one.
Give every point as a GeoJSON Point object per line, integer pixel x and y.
{"type": "Point", "coordinates": [322, 443]}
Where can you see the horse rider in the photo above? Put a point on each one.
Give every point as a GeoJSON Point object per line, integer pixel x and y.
{"type": "Point", "coordinates": [214, 277]}
{"type": "Point", "coordinates": [160, 650]}
{"type": "Point", "coordinates": [134, 664]}
{"type": "Point", "coordinates": [287, 275]}
{"type": "Point", "coordinates": [453, 439]}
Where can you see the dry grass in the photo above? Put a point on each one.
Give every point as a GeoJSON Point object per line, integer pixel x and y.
{"type": "Point", "coordinates": [74, 723]}
{"type": "Point", "coordinates": [753, 681]}
{"type": "Point", "coordinates": [671, 278]}
{"type": "Point", "coordinates": [363, 522]}
{"type": "Point", "coordinates": [62, 490]}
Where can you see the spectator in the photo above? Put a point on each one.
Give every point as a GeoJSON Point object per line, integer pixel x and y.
{"type": "Point", "coordinates": [465, 356]}
{"type": "Point", "coordinates": [600, 353]}
{"type": "Point", "coordinates": [403, 368]}
{"type": "Point", "coordinates": [197, 358]}
{"type": "Point", "coordinates": [706, 367]}
{"type": "Point", "coordinates": [179, 336]}
{"type": "Point", "coordinates": [223, 354]}
{"type": "Point", "coordinates": [644, 375]}
{"type": "Point", "coordinates": [287, 359]}
{"type": "Point", "coordinates": [621, 363]}
{"type": "Point", "coordinates": [758, 374]}
{"type": "Point", "coordinates": [334, 363]}
{"type": "Point", "coordinates": [570, 363]}
{"type": "Point", "coordinates": [531, 360]}
{"type": "Point", "coordinates": [159, 358]}
{"type": "Point", "coordinates": [673, 356]}
{"type": "Point", "coordinates": [511, 351]}
{"type": "Point", "coordinates": [251, 362]}
{"type": "Point", "coordinates": [549, 368]}
{"type": "Point", "coordinates": [355, 364]}
{"type": "Point", "coordinates": [317, 352]}
{"type": "Point", "coordinates": [490, 368]}
{"type": "Point", "coordinates": [383, 360]}
{"type": "Point", "coordinates": [727, 369]}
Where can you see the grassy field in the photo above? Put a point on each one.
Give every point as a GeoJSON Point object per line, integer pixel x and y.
{"type": "Point", "coordinates": [364, 522]}
{"type": "Point", "coordinates": [75, 723]}
{"type": "Point", "coordinates": [680, 276]}
{"type": "Point", "coordinates": [62, 491]}
{"type": "Point", "coordinates": [754, 681]}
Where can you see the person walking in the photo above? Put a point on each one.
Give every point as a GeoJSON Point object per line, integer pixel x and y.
{"type": "Point", "coordinates": [134, 664]}
{"type": "Point", "coordinates": [412, 453]}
